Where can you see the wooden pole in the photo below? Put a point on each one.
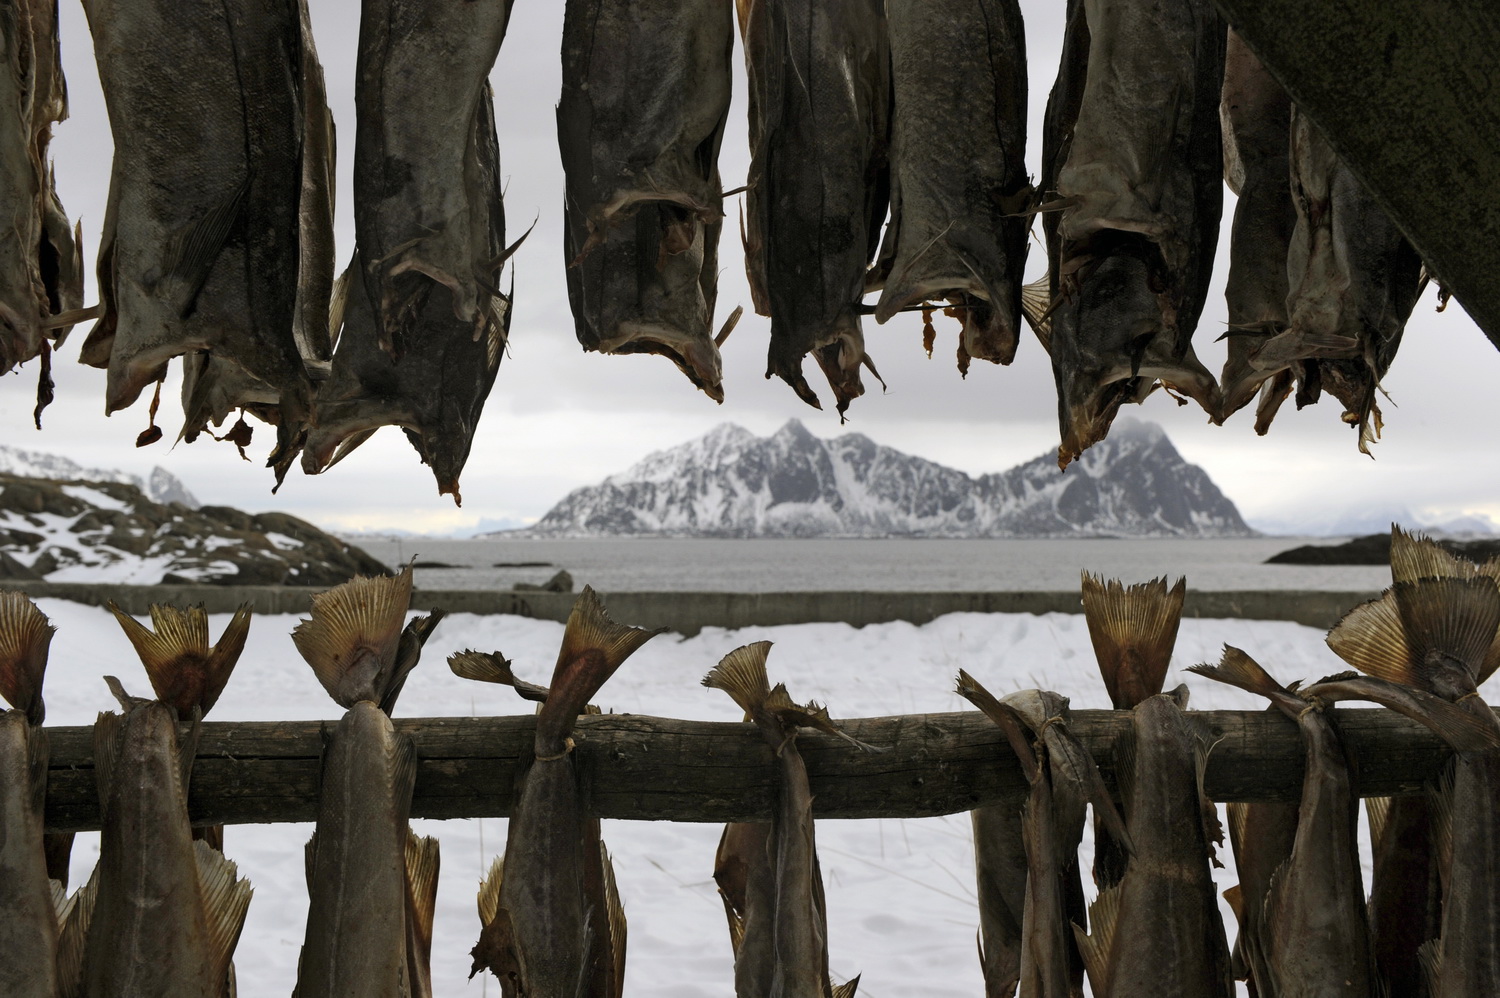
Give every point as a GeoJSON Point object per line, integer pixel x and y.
{"type": "Point", "coordinates": [634, 766]}
{"type": "Point", "coordinates": [1408, 93]}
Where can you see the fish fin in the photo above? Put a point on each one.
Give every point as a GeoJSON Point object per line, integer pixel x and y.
{"type": "Point", "coordinates": [1238, 669]}
{"type": "Point", "coordinates": [25, 636]}
{"type": "Point", "coordinates": [353, 636]}
{"type": "Point", "coordinates": [184, 672]}
{"type": "Point", "coordinates": [489, 891]}
{"type": "Point", "coordinates": [1133, 630]}
{"type": "Point", "coordinates": [1462, 730]}
{"type": "Point", "coordinates": [811, 715]}
{"type": "Point", "coordinates": [1442, 819]}
{"type": "Point", "coordinates": [593, 647]}
{"type": "Point", "coordinates": [1036, 306]}
{"type": "Point", "coordinates": [310, 858]}
{"type": "Point", "coordinates": [226, 898]}
{"type": "Point", "coordinates": [1009, 720]}
{"type": "Point", "coordinates": [192, 250]}
{"type": "Point", "coordinates": [73, 933]}
{"type": "Point", "coordinates": [1417, 556]}
{"type": "Point", "coordinates": [1235, 898]}
{"type": "Point", "coordinates": [421, 904]}
{"type": "Point", "coordinates": [1208, 811]}
{"type": "Point", "coordinates": [106, 749]}
{"type": "Point", "coordinates": [848, 988]}
{"type": "Point", "coordinates": [1124, 756]}
{"type": "Point", "coordinates": [1095, 948]}
{"type": "Point", "coordinates": [1378, 811]}
{"type": "Point", "coordinates": [493, 668]}
{"type": "Point", "coordinates": [742, 674]}
{"type": "Point", "coordinates": [408, 653]}
{"type": "Point", "coordinates": [1430, 956]}
{"type": "Point", "coordinates": [1239, 823]}
{"type": "Point", "coordinates": [1456, 618]}
{"type": "Point", "coordinates": [618, 929]}
{"type": "Point", "coordinates": [1370, 638]}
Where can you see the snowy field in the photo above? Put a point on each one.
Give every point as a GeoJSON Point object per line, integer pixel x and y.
{"type": "Point", "coordinates": [901, 905]}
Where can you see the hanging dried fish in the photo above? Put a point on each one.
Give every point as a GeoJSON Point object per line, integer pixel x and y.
{"type": "Point", "coordinates": [1000, 883]}
{"type": "Point", "coordinates": [959, 190]}
{"type": "Point", "coordinates": [1353, 280]}
{"type": "Point", "coordinates": [552, 921]}
{"type": "Point", "coordinates": [1141, 183]}
{"type": "Point", "coordinates": [644, 102]}
{"type": "Point", "coordinates": [371, 882]}
{"type": "Point", "coordinates": [768, 872]}
{"type": "Point", "coordinates": [818, 185]}
{"type": "Point", "coordinates": [203, 251]}
{"type": "Point", "coordinates": [41, 270]}
{"type": "Point", "coordinates": [422, 324]}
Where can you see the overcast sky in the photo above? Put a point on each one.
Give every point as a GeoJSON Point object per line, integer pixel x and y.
{"type": "Point", "coordinates": [559, 418]}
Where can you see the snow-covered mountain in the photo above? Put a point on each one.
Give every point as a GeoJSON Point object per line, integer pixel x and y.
{"type": "Point", "coordinates": [162, 486]}
{"type": "Point", "coordinates": [731, 483]}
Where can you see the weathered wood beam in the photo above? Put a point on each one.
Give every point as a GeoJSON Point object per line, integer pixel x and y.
{"type": "Point", "coordinates": [636, 766]}
{"type": "Point", "coordinates": [1408, 93]}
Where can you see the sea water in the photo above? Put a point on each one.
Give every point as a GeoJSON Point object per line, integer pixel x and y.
{"type": "Point", "coordinates": [898, 564]}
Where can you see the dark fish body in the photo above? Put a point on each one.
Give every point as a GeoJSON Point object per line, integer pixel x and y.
{"type": "Point", "coordinates": [1162, 917]}
{"type": "Point", "coordinates": [1063, 103]}
{"type": "Point", "coordinates": [746, 876]}
{"type": "Point", "coordinates": [1000, 873]}
{"type": "Point", "coordinates": [1142, 184]}
{"type": "Point", "coordinates": [801, 925]}
{"type": "Point", "coordinates": [819, 74]}
{"type": "Point", "coordinates": [1261, 836]}
{"type": "Point", "coordinates": [1405, 893]}
{"type": "Point", "coordinates": [152, 929]}
{"type": "Point", "coordinates": [201, 253]}
{"type": "Point", "coordinates": [1467, 950]}
{"type": "Point", "coordinates": [41, 273]}
{"type": "Point", "coordinates": [644, 103]}
{"type": "Point", "coordinates": [424, 324]}
{"type": "Point", "coordinates": [28, 916]}
{"type": "Point", "coordinates": [959, 188]}
{"type": "Point", "coordinates": [356, 921]}
{"type": "Point", "coordinates": [1255, 113]}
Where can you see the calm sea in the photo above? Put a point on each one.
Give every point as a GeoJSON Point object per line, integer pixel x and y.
{"type": "Point", "coordinates": [897, 564]}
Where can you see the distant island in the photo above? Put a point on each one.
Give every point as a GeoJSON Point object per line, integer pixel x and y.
{"type": "Point", "coordinates": [730, 483]}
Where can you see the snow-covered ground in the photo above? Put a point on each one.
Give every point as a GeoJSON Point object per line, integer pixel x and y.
{"type": "Point", "coordinates": [900, 893]}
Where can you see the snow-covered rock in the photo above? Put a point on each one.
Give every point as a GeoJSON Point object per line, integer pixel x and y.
{"type": "Point", "coordinates": [161, 486]}
{"type": "Point", "coordinates": [731, 483]}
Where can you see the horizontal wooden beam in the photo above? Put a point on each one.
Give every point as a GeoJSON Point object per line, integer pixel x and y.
{"type": "Point", "coordinates": [635, 766]}
{"type": "Point", "coordinates": [1408, 93]}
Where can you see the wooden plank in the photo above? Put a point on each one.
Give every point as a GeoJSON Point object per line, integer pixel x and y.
{"type": "Point", "coordinates": [1408, 93]}
{"type": "Point", "coordinates": [635, 766]}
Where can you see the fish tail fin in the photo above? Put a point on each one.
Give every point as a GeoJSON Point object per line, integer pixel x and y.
{"type": "Point", "coordinates": [1016, 731]}
{"type": "Point", "coordinates": [1370, 637]}
{"type": "Point", "coordinates": [1133, 630]}
{"type": "Point", "coordinates": [1456, 618]}
{"type": "Point", "coordinates": [493, 667]}
{"type": "Point", "coordinates": [742, 674]}
{"type": "Point", "coordinates": [618, 929]}
{"type": "Point", "coordinates": [353, 635]}
{"type": "Point", "coordinates": [593, 647]}
{"type": "Point", "coordinates": [226, 898]}
{"type": "Point", "coordinates": [811, 715]}
{"type": "Point", "coordinates": [184, 671]}
{"type": "Point", "coordinates": [421, 904]}
{"type": "Point", "coordinates": [1238, 669]}
{"type": "Point", "coordinates": [1462, 730]}
{"type": "Point", "coordinates": [25, 636]}
{"type": "Point", "coordinates": [73, 932]}
{"type": "Point", "coordinates": [408, 654]}
{"type": "Point", "coordinates": [1036, 306]}
{"type": "Point", "coordinates": [848, 988]}
{"type": "Point", "coordinates": [1417, 556]}
{"type": "Point", "coordinates": [496, 949]}
{"type": "Point", "coordinates": [1095, 947]}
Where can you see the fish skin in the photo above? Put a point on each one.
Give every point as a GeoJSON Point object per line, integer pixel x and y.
{"type": "Point", "coordinates": [1261, 836]}
{"type": "Point", "coordinates": [424, 325]}
{"type": "Point", "coordinates": [201, 251]}
{"type": "Point", "coordinates": [1352, 279]}
{"type": "Point", "coordinates": [355, 942]}
{"type": "Point", "coordinates": [1169, 939]}
{"type": "Point", "coordinates": [149, 935]}
{"type": "Point", "coordinates": [28, 918]}
{"type": "Point", "coordinates": [819, 73]}
{"type": "Point", "coordinates": [1405, 895]}
{"type": "Point", "coordinates": [1468, 945]}
{"type": "Point", "coordinates": [746, 877]}
{"type": "Point", "coordinates": [41, 274]}
{"type": "Point", "coordinates": [1000, 874]}
{"type": "Point", "coordinates": [1142, 181]}
{"type": "Point", "coordinates": [645, 100]}
{"type": "Point", "coordinates": [959, 188]}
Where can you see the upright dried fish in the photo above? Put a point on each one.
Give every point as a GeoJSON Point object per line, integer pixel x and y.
{"type": "Point", "coordinates": [203, 246]}
{"type": "Point", "coordinates": [644, 102]}
{"type": "Point", "coordinates": [959, 190]}
{"type": "Point", "coordinates": [422, 324]}
{"type": "Point", "coordinates": [818, 187]}
{"type": "Point", "coordinates": [1142, 186]}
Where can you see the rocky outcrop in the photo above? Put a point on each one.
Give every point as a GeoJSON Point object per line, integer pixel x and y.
{"type": "Point", "coordinates": [65, 531]}
{"type": "Point", "coordinates": [1374, 549]}
{"type": "Point", "coordinates": [731, 483]}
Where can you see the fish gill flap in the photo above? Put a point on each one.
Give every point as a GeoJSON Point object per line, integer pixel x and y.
{"type": "Point", "coordinates": [226, 898]}
{"type": "Point", "coordinates": [1096, 948]}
